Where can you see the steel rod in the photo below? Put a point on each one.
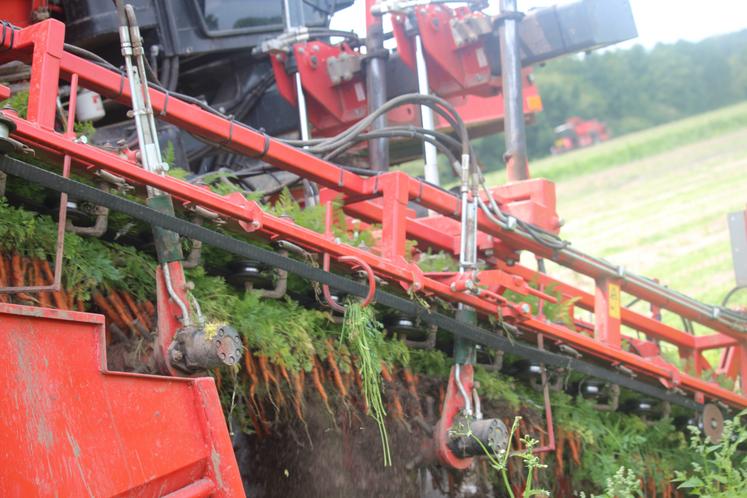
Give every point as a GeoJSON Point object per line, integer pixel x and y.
{"type": "Point", "coordinates": [513, 98]}
{"type": "Point", "coordinates": [426, 114]}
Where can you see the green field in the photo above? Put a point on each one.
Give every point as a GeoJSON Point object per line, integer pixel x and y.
{"type": "Point", "coordinates": [656, 201]}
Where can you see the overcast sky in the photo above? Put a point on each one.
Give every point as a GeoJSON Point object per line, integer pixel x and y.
{"type": "Point", "coordinates": [657, 20]}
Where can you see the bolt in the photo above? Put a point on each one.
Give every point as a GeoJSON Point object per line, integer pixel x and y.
{"type": "Point", "coordinates": [525, 308]}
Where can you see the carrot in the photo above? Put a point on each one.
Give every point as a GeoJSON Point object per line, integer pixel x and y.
{"type": "Point", "coordinates": [397, 411]}
{"type": "Point", "coordinates": [44, 300]}
{"type": "Point", "coordinates": [258, 425]}
{"type": "Point", "coordinates": [256, 412]}
{"type": "Point", "coordinates": [319, 386]}
{"type": "Point", "coordinates": [559, 447]}
{"type": "Point", "coordinates": [264, 369]}
{"type": "Point", "coordinates": [412, 387]}
{"type": "Point", "coordinates": [573, 444]}
{"type": "Point", "coordinates": [385, 374]}
{"type": "Point", "coordinates": [132, 305]}
{"type": "Point", "coordinates": [149, 308]}
{"type": "Point", "coordinates": [284, 374]}
{"type": "Point", "coordinates": [298, 394]}
{"type": "Point", "coordinates": [18, 268]}
{"type": "Point", "coordinates": [57, 296]}
{"type": "Point", "coordinates": [335, 370]}
{"type": "Point", "coordinates": [109, 312]}
{"type": "Point", "coordinates": [146, 316]}
{"type": "Point", "coordinates": [249, 364]}
{"type": "Point", "coordinates": [119, 307]}
{"type": "Point", "coordinates": [279, 389]}
{"type": "Point", "coordinates": [4, 298]}
{"type": "Point", "coordinates": [218, 378]}
{"type": "Point", "coordinates": [79, 304]}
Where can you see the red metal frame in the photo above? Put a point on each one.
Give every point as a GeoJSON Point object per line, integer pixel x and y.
{"type": "Point", "coordinates": [71, 428]}
{"type": "Point", "coordinates": [42, 44]}
{"type": "Point", "coordinates": [452, 70]}
{"type": "Point", "coordinates": [332, 107]}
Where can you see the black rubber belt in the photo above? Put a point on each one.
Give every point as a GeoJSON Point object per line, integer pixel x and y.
{"type": "Point", "coordinates": [476, 334]}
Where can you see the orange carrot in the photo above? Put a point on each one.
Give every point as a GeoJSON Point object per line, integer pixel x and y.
{"type": "Point", "coordinates": [298, 394]}
{"type": "Point", "coordinates": [106, 308]}
{"type": "Point", "coordinates": [319, 386]}
{"type": "Point", "coordinates": [218, 378]}
{"type": "Point", "coordinates": [44, 300]}
{"type": "Point", "coordinates": [146, 316]}
{"type": "Point", "coordinates": [149, 308]}
{"type": "Point", "coordinates": [335, 370]}
{"type": "Point", "coordinates": [385, 374]}
{"type": "Point", "coordinates": [57, 296]}
{"type": "Point", "coordinates": [559, 447]}
{"type": "Point", "coordinates": [279, 389]}
{"type": "Point", "coordinates": [132, 306]}
{"type": "Point", "coordinates": [264, 369]}
{"type": "Point", "coordinates": [4, 280]}
{"type": "Point", "coordinates": [412, 387]}
{"type": "Point", "coordinates": [120, 308]}
{"type": "Point", "coordinates": [573, 444]}
{"type": "Point", "coordinates": [18, 269]}
{"type": "Point", "coordinates": [249, 364]}
{"type": "Point", "coordinates": [398, 412]}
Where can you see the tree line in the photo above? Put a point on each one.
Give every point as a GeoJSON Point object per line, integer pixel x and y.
{"type": "Point", "coordinates": [635, 88]}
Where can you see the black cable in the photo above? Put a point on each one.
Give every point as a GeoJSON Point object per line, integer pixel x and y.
{"type": "Point", "coordinates": [731, 293]}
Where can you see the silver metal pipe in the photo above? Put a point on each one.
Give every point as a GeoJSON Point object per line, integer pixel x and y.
{"type": "Point", "coordinates": [462, 390]}
{"type": "Point", "coordinates": [186, 319]}
{"type": "Point", "coordinates": [426, 115]}
{"type": "Point", "coordinates": [513, 98]}
{"type": "Point", "coordinates": [303, 116]}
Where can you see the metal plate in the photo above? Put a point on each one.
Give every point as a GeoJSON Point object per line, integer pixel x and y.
{"type": "Point", "coordinates": [713, 422]}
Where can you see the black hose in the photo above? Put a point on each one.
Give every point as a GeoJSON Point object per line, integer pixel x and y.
{"type": "Point", "coordinates": [730, 294]}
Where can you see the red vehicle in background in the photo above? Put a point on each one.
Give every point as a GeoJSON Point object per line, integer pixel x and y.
{"type": "Point", "coordinates": [577, 132]}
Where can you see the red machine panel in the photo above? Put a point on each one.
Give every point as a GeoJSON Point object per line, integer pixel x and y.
{"type": "Point", "coordinates": [71, 428]}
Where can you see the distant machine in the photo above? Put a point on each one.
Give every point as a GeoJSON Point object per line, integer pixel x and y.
{"type": "Point", "coordinates": [577, 132]}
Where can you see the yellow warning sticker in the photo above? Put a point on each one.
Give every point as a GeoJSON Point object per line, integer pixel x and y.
{"type": "Point", "coordinates": [613, 297]}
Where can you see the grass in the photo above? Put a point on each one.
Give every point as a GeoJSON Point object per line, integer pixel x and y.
{"type": "Point", "coordinates": [656, 202]}
{"type": "Point", "coordinates": [638, 145]}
